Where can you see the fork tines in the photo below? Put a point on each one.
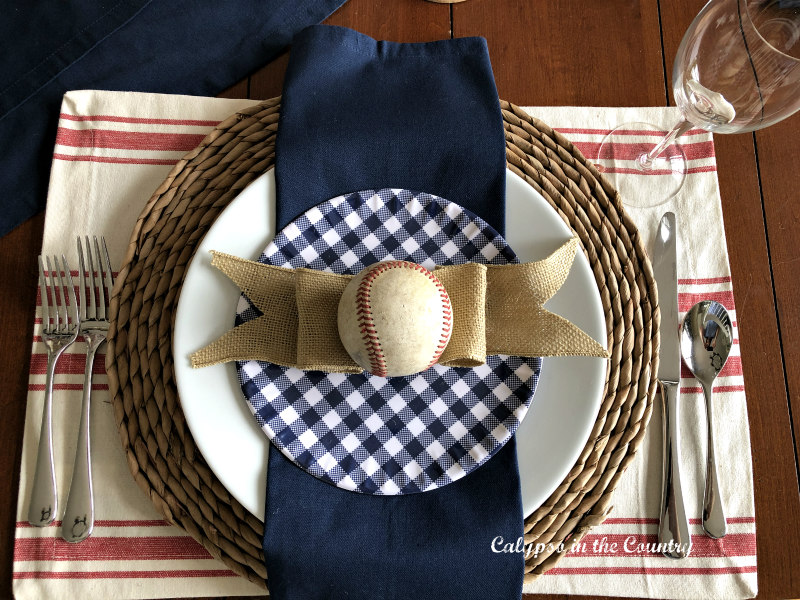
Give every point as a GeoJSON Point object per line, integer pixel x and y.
{"type": "Point", "coordinates": [60, 293]}
{"type": "Point", "coordinates": [100, 282]}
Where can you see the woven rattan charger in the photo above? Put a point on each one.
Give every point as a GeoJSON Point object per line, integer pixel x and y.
{"type": "Point", "coordinates": [160, 449]}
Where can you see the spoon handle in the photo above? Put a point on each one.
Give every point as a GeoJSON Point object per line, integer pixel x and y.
{"type": "Point", "coordinates": [673, 526]}
{"type": "Point", "coordinates": [713, 513]}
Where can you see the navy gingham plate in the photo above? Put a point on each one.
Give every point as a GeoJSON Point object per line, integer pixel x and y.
{"type": "Point", "coordinates": [398, 435]}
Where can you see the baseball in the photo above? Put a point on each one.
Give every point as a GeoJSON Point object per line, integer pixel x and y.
{"type": "Point", "coordinates": [395, 318]}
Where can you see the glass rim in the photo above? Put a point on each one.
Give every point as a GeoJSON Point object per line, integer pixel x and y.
{"type": "Point", "coordinates": [747, 4]}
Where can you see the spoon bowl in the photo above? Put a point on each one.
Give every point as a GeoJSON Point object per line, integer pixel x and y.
{"type": "Point", "coordinates": [706, 341]}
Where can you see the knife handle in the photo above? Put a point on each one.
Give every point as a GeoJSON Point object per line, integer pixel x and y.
{"type": "Point", "coordinates": [673, 527]}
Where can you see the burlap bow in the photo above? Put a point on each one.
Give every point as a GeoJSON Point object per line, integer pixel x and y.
{"type": "Point", "coordinates": [497, 309]}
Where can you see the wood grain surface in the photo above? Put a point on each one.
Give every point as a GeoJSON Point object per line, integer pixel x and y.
{"type": "Point", "coordinates": [562, 52]}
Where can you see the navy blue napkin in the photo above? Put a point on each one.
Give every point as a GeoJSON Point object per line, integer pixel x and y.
{"type": "Point", "coordinates": [196, 47]}
{"type": "Point", "coordinates": [363, 114]}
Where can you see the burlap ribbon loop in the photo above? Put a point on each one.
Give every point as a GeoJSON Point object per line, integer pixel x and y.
{"type": "Point", "coordinates": [497, 309]}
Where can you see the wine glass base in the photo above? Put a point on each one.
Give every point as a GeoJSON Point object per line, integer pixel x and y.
{"type": "Point", "coordinates": [620, 156]}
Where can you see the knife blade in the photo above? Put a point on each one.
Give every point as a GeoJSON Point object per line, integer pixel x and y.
{"type": "Point", "coordinates": [673, 529]}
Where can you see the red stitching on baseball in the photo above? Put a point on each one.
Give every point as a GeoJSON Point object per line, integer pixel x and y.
{"type": "Point", "coordinates": [447, 315]}
{"type": "Point", "coordinates": [369, 334]}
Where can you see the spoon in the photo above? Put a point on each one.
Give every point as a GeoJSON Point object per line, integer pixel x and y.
{"type": "Point", "coordinates": [706, 339]}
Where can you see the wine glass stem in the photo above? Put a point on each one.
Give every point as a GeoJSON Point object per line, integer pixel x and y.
{"type": "Point", "coordinates": [647, 161]}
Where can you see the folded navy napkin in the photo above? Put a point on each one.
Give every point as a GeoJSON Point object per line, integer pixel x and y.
{"type": "Point", "coordinates": [363, 114]}
{"type": "Point", "coordinates": [169, 46]}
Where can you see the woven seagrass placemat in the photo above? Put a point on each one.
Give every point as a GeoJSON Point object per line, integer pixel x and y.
{"type": "Point", "coordinates": [161, 452]}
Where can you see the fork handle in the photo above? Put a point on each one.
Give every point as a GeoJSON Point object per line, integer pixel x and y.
{"type": "Point", "coordinates": [78, 519]}
{"type": "Point", "coordinates": [44, 496]}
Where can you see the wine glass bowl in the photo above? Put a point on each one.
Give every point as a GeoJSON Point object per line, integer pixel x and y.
{"type": "Point", "coordinates": [737, 70]}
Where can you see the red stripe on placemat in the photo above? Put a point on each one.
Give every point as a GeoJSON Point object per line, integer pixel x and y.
{"type": "Point", "coordinates": [688, 299]}
{"type": "Point", "coordinates": [704, 280]}
{"type": "Point", "coordinates": [632, 151]}
{"type": "Point", "coordinates": [586, 131]}
{"type": "Point", "coordinates": [70, 363]}
{"type": "Point", "coordinates": [646, 544]}
{"type": "Point", "coordinates": [729, 520]}
{"type": "Point", "coordinates": [74, 273]}
{"type": "Point", "coordinates": [106, 574]}
{"type": "Point", "coordinates": [654, 520]}
{"type": "Point", "coordinates": [110, 548]}
{"type": "Point", "coordinates": [624, 171]}
{"type": "Point", "coordinates": [651, 570]}
{"type": "Point", "coordinates": [144, 121]}
{"type": "Point", "coordinates": [127, 140]}
{"type": "Point", "coordinates": [116, 160]}
{"type": "Point", "coordinates": [112, 523]}
{"type": "Point", "coordinates": [721, 389]}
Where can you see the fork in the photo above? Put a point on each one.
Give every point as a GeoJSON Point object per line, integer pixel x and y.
{"type": "Point", "coordinates": [78, 520]}
{"type": "Point", "coordinates": [59, 331]}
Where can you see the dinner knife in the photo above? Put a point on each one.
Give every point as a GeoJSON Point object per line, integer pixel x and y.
{"type": "Point", "coordinates": [673, 528]}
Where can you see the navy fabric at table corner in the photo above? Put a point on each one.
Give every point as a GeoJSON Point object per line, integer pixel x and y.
{"type": "Point", "coordinates": [361, 114]}
{"type": "Point", "coordinates": [194, 47]}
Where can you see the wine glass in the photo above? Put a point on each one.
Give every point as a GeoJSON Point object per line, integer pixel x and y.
{"type": "Point", "coordinates": [737, 69]}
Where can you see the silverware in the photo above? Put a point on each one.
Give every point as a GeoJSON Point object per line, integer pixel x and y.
{"type": "Point", "coordinates": [706, 340]}
{"type": "Point", "coordinates": [95, 294]}
{"type": "Point", "coordinates": [59, 330]}
{"type": "Point", "coordinates": [673, 529]}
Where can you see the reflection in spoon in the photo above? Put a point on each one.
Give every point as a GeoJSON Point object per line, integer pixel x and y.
{"type": "Point", "coordinates": [706, 340]}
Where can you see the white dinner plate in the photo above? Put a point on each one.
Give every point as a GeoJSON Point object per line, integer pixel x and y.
{"type": "Point", "coordinates": [551, 436]}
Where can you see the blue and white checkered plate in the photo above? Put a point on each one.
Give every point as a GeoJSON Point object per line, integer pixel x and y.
{"type": "Point", "coordinates": [397, 435]}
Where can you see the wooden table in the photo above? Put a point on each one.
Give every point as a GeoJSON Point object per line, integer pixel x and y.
{"type": "Point", "coordinates": [566, 52]}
